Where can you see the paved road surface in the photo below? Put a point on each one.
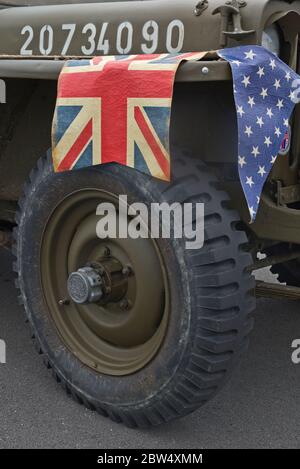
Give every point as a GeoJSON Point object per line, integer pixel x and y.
{"type": "Point", "coordinates": [259, 408]}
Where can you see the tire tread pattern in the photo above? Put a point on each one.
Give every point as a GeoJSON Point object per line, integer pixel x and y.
{"type": "Point", "coordinates": [222, 287]}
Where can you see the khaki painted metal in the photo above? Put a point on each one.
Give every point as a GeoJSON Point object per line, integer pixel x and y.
{"type": "Point", "coordinates": [270, 290]}
{"type": "Point", "coordinates": [203, 31]}
{"type": "Point", "coordinates": [45, 69]}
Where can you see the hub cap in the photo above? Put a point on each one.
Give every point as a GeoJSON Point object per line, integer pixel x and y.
{"type": "Point", "coordinates": [108, 298]}
{"type": "Point", "coordinates": [85, 286]}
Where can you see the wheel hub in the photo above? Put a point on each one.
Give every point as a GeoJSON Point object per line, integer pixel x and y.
{"type": "Point", "coordinates": [85, 286]}
{"type": "Point", "coordinates": [109, 299]}
{"type": "Point", "coordinates": [105, 281]}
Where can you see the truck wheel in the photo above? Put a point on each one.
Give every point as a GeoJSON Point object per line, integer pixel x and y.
{"type": "Point", "coordinates": [172, 323]}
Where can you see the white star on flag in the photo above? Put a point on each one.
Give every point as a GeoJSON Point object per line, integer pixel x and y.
{"type": "Point", "coordinates": [240, 111]}
{"type": "Point", "coordinates": [249, 181]}
{"type": "Point", "coordinates": [269, 112]}
{"type": "Point", "coordinates": [273, 159]}
{"type": "Point", "coordinates": [255, 152]}
{"type": "Point", "coordinates": [242, 161]}
{"type": "Point", "coordinates": [261, 72]}
{"type": "Point", "coordinates": [272, 64]}
{"type": "Point", "coordinates": [277, 84]}
{"type": "Point", "coordinates": [246, 81]}
{"type": "Point", "coordinates": [277, 131]}
{"type": "Point", "coordinates": [248, 131]}
{"type": "Point", "coordinates": [260, 122]}
{"type": "Point", "coordinates": [292, 95]}
{"type": "Point", "coordinates": [250, 55]}
{"type": "Point", "coordinates": [268, 141]}
{"type": "Point", "coordinates": [251, 101]}
{"type": "Point", "coordinates": [288, 76]}
{"type": "Point", "coordinates": [261, 171]}
{"type": "Point", "coordinates": [264, 93]}
{"type": "Point", "coordinates": [280, 104]}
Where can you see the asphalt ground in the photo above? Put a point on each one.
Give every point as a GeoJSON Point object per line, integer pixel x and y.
{"type": "Point", "coordinates": [259, 407]}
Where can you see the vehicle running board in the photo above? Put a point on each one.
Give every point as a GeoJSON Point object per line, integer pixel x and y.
{"type": "Point", "coordinates": [274, 290]}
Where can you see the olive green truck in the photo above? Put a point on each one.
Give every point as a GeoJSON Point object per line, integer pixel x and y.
{"type": "Point", "coordinates": [170, 324]}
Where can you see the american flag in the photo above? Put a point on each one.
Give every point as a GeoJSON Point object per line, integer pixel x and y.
{"type": "Point", "coordinates": [265, 96]}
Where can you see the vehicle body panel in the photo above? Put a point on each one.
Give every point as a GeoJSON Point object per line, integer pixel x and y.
{"type": "Point", "coordinates": [200, 32]}
{"type": "Point", "coordinates": [203, 114]}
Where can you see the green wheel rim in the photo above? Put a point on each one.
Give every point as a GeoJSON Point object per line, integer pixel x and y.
{"type": "Point", "coordinates": [105, 336]}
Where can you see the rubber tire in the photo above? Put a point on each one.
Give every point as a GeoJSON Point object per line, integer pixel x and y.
{"type": "Point", "coordinates": [211, 294]}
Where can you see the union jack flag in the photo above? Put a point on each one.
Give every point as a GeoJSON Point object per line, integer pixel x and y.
{"type": "Point", "coordinates": [116, 109]}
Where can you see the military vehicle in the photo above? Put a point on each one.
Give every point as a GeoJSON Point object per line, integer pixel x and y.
{"type": "Point", "coordinates": [172, 323]}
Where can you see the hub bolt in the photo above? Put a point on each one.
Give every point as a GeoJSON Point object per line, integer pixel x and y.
{"type": "Point", "coordinates": [107, 252]}
{"type": "Point", "coordinates": [127, 271]}
{"type": "Point", "coordinates": [125, 304]}
{"type": "Point", "coordinates": [64, 302]}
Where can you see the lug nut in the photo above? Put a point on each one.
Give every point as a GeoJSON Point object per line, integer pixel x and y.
{"type": "Point", "coordinates": [107, 251]}
{"type": "Point", "coordinates": [64, 302]}
{"type": "Point", "coordinates": [125, 304]}
{"type": "Point", "coordinates": [127, 271]}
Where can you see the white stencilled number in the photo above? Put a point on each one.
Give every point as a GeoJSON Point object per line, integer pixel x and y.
{"type": "Point", "coordinates": [29, 31]}
{"type": "Point", "coordinates": [150, 34]}
{"type": "Point", "coordinates": [175, 32]}
{"type": "Point", "coordinates": [121, 47]}
{"type": "Point", "coordinates": [103, 44]}
{"type": "Point", "coordinates": [124, 41]}
{"type": "Point", "coordinates": [46, 40]}
{"type": "Point", "coordinates": [71, 31]}
{"type": "Point", "coordinates": [91, 30]}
